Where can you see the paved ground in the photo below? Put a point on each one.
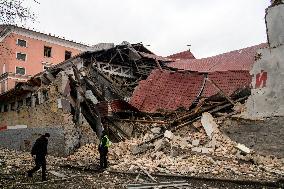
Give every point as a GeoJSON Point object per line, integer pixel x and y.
{"type": "Point", "coordinates": [266, 137]}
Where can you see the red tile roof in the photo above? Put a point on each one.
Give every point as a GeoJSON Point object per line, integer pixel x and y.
{"type": "Point", "coordinates": [228, 82]}
{"type": "Point", "coordinates": [242, 59]}
{"type": "Point", "coordinates": [167, 90]}
{"type": "Point", "coordinates": [182, 55]}
{"type": "Point", "coordinates": [106, 108]}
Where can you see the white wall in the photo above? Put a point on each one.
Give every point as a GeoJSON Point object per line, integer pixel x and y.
{"type": "Point", "coordinates": [267, 98]}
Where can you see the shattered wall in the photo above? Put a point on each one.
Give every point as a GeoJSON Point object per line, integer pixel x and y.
{"type": "Point", "coordinates": [53, 116]}
{"type": "Point", "coordinates": [268, 72]}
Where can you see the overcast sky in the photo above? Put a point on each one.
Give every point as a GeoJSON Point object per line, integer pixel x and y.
{"type": "Point", "coordinates": [211, 27]}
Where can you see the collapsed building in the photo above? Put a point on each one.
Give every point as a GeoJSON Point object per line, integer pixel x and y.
{"type": "Point", "coordinates": [76, 98]}
{"type": "Point", "coordinates": [116, 86]}
{"type": "Point", "coordinates": [70, 99]}
{"type": "Point", "coordinates": [196, 79]}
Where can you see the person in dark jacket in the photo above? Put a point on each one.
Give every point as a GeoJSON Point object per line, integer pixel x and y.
{"type": "Point", "coordinates": [39, 150]}
{"type": "Point", "coordinates": [103, 149]}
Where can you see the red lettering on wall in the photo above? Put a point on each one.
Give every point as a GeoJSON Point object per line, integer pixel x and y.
{"type": "Point", "coordinates": [3, 127]}
{"type": "Point", "coordinates": [260, 80]}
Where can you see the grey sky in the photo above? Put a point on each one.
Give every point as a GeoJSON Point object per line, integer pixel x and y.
{"type": "Point", "coordinates": [210, 26]}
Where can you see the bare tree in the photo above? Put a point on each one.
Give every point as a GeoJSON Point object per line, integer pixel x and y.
{"type": "Point", "coordinates": [15, 11]}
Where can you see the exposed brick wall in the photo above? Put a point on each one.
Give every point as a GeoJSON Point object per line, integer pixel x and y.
{"type": "Point", "coordinates": [48, 116]}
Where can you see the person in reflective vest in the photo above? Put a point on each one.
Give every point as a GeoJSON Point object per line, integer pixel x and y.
{"type": "Point", "coordinates": [103, 149]}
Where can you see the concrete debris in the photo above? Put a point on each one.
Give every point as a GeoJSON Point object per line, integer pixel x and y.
{"type": "Point", "coordinates": [57, 174]}
{"type": "Point", "coordinates": [168, 134]}
{"type": "Point", "coordinates": [208, 124]}
{"type": "Point", "coordinates": [76, 99]}
{"type": "Point", "coordinates": [156, 130]}
{"type": "Point", "coordinates": [140, 149]}
{"type": "Point", "coordinates": [243, 148]}
{"type": "Point", "coordinates": [195, 142]}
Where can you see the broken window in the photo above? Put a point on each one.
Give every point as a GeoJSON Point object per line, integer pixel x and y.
{"type": "Point", "coordinates": [22, 43]}
{"type": "Point", "coordinates": [47, 51]}
{"type": "Point", "coordinates": [68, 55]}
{"type": "Point", "coordinates": [6, 108]}
{"type": "Point", "coordinates": [20, 71]}
{"type": "Point", "coordinates": [21, 56]}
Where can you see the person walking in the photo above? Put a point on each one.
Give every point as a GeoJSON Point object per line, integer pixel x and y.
{"type": "Point", "coordinates": [39, 150]}
{"type": "Point", "coordinates": [103, 149]}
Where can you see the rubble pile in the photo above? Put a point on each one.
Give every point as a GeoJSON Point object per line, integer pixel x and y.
{"type": "Point", "coordinates": [205, 151]}
{"type": "Point", "coordinates": [194, 153]}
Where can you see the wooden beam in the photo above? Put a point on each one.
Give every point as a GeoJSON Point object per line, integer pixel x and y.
{"type": "Point", "coordinates": [221, 91]}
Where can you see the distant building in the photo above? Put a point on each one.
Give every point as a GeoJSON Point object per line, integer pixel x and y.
{"type": "Point", "coordinates": [24, 53]}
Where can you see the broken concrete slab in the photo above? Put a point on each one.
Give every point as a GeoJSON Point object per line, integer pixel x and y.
{"type": "Point", "coordinates": [208, 124]}
{"type": "Point", "coordinates": [161, 144]}
{"type": "Point", "coordinates": [195, 142]}
{"type": "Point", "coordinates": [203, 150]}
{"type": "Point", "coordinates": [57, 174]}
{"type": "Point", "coordinates": [243, 148]}
{"type": "Point", "coordinates": [168, 134]}
{"type": "Point", "coordinates": [196, 149]}
{"type": "Point", "coordinates": [140, 149]}
{"type": "Point", "coordinates": [156, 130]}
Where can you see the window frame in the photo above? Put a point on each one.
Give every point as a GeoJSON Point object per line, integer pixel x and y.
{"type": "Point", "coordinates": [22, 40]}
{"type": "Point", "coordinates": [26, 57]}
{"type": "Point", "coordinates": [20, 67]}
{"type": "Point", "coordinates": [50, 51]}
{"type": "Point", "coordinates": [46, 67]}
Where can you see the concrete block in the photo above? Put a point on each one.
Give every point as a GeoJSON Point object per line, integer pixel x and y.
{"type": "Point", "coordinates": [195, 142]}
{"type": "Point", "coordinates": [208, 124]}
{"type": "Point", "coordinates": [168, 134]}
{"type": "Point", "coordinates": [156, 130]}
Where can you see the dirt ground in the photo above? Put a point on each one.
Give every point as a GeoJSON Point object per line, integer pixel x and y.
{"type": "Point", "coordinates": [266, 137]}
{"type": "Point", "coordinates": [103, 180]}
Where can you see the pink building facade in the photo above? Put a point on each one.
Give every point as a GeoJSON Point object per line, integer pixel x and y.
{"type": "Point", "coordinates": [24, 53]}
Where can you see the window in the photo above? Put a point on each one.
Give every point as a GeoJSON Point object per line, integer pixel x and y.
{"type": "Point", "coordinates": [21, 56]}
{"type": "Point", "coordinates": [47, 51]}
{"type": "Point", "coordinates": [45, 67]}
{"type": "Point", "coordinates": [68, 55]}
{"type": "Point", "coordinates": [20, 71]}
{"type": "Point", "coordinates": [21, 43]}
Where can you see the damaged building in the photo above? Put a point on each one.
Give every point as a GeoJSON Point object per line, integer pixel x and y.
{"type": "Point", "coordinates": [104, 88]}
{"type": "Point", "coordinates": [71, 99]}
{"type": "Point", "coordinates": [113, 87]}
{"type": "Point", "coordinates": [267, 98]}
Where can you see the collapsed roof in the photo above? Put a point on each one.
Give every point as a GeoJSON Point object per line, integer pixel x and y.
{"type": "Point", "coordinates": [241, 59]}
